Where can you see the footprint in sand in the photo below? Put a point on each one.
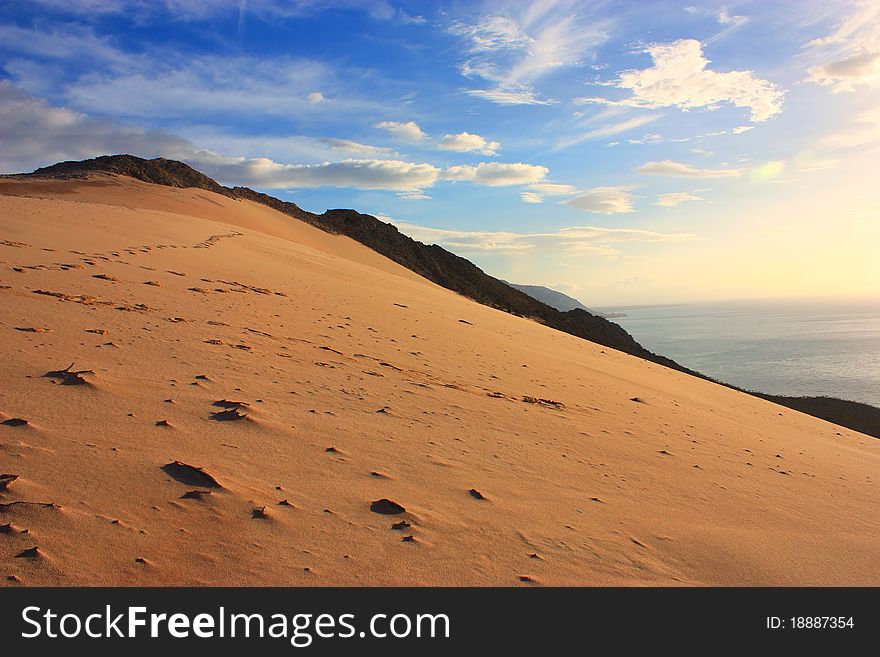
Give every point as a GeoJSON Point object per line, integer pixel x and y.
{"type": "Point", "coordinates": [386, 507]}
{"type": "Point", "coordinates": [190, 475]}
{"type": "Point", "coordinates": [195, 495]}
{"type": "Point", "coordinates": [69, 377]}
{"type": "Point", "coordinates": [30, 553]}
{"type": "Point", "coordinates": [6, 479]}
{"type": "Point", "coordinates": [229, 415]}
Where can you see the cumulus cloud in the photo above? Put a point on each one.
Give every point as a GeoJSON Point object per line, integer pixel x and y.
{"type": "Point", "coordinates": [393, 175]}
{"type": "Point", "coordinates": [853, 49]}
{"type": "Point", "coordinates": [604, 200]}
{"type": "Point", "coordinates": [497, 174]}
{"type": "Point", "coordinates": [672, 199]}
{"type": "Point", "coordinates": [316, 97]}
{"type": "Point", "coordinates": [680, 77]}
{"type": "Point", "coordinates": [409, 131]}
{"type": "Point", "coordinates": [682, 170]}
{"type": "Point", "coordinates": [465, 142]}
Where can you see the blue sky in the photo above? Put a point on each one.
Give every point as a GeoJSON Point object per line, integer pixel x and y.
{"type": "Point", "coordinates": [624, 152]}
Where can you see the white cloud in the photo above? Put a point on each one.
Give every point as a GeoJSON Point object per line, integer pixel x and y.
{"type": "Point", "coordinates": [853, 49]}
{"type": "Point", "coordinates": [512, 51]}
{"type": "Point", "coordinates": [394, 175]}
{"type": "Point", "coordinates": [409, 131]}
{"type": "Point", "coordinates": [726, 19]}
{"type": "Point", "coordinates": [348, 146]}
{"type": "Point", "coordinates": [741, 129]}
{"type": "Point", "coordinates": [604, 200]}
{"type": "Point", "coordinates": [509, 97]}
{"type": "Point", "coordinates": [496, 174]}
{"type": "Point", "coordinates": [682, 170]}
{"type": "Point", "coordinates": [538, 191]}
{"type": "Point", "coordinates": [575, 240]}
{"type": "Point", "coordinates": [723, 17]}
{"type": "Point", "coordinates": [607, 130]}
{"type": "Point", "coordinates": [680, 77]}
{"type": "Point", "coordinates": [553, 189]}
{"type": "Point", "coordinates": [316, 97]}
{"type": "Point", "coordinates": [847, 74]}
{"type": "Point", "coordinates": [465, 142]}
{"type": "Point", "coordinates": [493, 33]}
{"type": "Point", "coordinates": [672, 199]}
{"type": "Point", "coordinates": [412, 196]}
{"type": "Point", "coordinates": [647, 139]}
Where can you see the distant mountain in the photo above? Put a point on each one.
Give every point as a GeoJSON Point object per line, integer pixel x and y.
{"type": "Point", "coordinates": [553, 298]}
{"type": "Point", "coordinates": [447, 270]}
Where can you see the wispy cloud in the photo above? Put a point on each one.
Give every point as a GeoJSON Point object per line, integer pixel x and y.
{"type": "Point", "coordinates": [581, 240]}
{"type": "Point", "coordinates": [683, 170]}
{"type": "Point", "coordinates": [349, 146]}
{"type": "Point", "coordinates": [93, 73]}
{"type": "Point", "coordinates": [607, 130]}
{"type": "Point", "coordinates": [513, 48]}
{"type": "Point", "coordinates": [853, 49]}
{"type": "Point", "coordinates": [673, 199]}
{"type": "Point", "coordinates": [680, 77]}
{"type": "Point", "coordinates": [604, 200]}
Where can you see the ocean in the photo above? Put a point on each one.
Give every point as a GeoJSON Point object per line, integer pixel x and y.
{"type": "Point", "coordinates": [779, 347]}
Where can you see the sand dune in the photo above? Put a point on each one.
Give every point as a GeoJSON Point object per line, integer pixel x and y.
{"type": "Point", "coordinates": [199, 390]}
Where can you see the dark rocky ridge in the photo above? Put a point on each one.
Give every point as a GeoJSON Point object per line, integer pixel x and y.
{"type": "Point", "coordinates": [446, 269]}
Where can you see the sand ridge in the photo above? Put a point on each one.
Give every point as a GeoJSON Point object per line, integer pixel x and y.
{"type": "Point", "coordinates": [209, 392]}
